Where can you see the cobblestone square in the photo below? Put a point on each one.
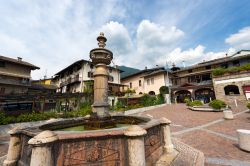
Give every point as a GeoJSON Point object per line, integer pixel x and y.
{"type": "Point", "coordinates": [208, 132]}
{"type": "Point", "coordinates": [205, 131]}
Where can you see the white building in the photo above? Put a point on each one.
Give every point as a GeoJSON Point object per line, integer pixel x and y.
{"type": "Point", "coordinates": [78, 77]}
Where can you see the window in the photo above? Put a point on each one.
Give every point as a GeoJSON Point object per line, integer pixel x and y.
{"type": "Point", "coordinates": [2, 64]}
{"type": "Point", "coordinates": [152, 80]}
{"type": "Point", "coordinates": [174, 81]}
{"type": "Point", "coordinates": [231, 90]}
{"type": "Point", "coordinates": [236, 63]}
{"type": "Point", "coordinates": [111, 78]}
{"type": "Point", "coordinates": [130, 85]}
{"type": "Point", "coordinates": [139, 82]}
{"type": "Point", "coordinates": [208, 67]}
{"type": "Point", "coordinates": [2, 90]}
{"type": "Point", "coordinates": [206, 77]}
{"type": "Point", "coordinates": [148, 81]}
{"type": "Point", "coordinates": [190, 71]}
{"type": "Point", "coordinates": [90, 74]}
{"type": "Point", "coordinates": [151, 93]}
{"type": "Point", "coordinates": [110, 70]}
{"type": "Point", "coordinates": [225, 65]}
{"type": "Point", "coordinates": [110, 89]}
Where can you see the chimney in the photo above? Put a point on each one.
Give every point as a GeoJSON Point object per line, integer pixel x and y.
{"type": "Point", "coordinates": [183, 63]}
{"type": "Point", "coordinates": [146, 67]}
{"type": "Point", "coordinates": [19, 58]}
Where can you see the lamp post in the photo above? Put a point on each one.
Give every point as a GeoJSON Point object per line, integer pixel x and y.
{"type": "Point", "coordinates": [168, 82]}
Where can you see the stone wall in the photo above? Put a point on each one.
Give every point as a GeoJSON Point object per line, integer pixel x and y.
{"type": "Point", "coordinates": [239, 79]}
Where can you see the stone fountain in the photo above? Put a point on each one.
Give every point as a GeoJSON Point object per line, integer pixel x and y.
{"type": "Point", "coordinates": [105, 141]}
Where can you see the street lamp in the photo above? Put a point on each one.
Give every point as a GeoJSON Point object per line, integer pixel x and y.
{"type": "Point", "coordinates": [167, 83]}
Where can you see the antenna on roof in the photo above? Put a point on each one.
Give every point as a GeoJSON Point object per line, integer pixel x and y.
{"type": "Point", "coordinates": [45, 76]}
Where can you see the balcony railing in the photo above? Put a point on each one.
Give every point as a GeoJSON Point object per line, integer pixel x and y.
{"type": "Point", "coordinates": [208, 82]}
{"type": "Point", "coordinates": [15, 82]}
{"type": "Point", "coordinates": [70, 81]}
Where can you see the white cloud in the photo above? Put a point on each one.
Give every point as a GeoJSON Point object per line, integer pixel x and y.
{"type": "Point", "coordinates": [154, 41]}
{"type": "Point", "coordinates": [151, 35]}
{"type": "Point", "coordinates": [12, 46]}
{"type": "Point", "coordinates": [119, 40]}
{"type": "Point", "coordinates": [53, 34]}
{"type": "Point", "coordinates": [241, 39]}
{"type": "Point", "coordinates": [195, 55]}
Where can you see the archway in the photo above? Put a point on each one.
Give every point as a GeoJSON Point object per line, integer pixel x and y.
{"type": "Point", "coordinates": [182, 95]}
{"type": "Point", "coordinates": [204, 94]}
{"type": "Point", "coordinates": [151, 93]}
{"type": "Point", "coordinates": [231, 90]}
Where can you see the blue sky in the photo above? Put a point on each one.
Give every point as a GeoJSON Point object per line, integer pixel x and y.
{"type": "Point", "coordinates": [54, 33]}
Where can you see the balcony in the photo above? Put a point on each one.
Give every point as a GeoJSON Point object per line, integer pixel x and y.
{"type": "Point", "coordinates": [208, 82]}
{"type": "Point", "coordinates": [23, 82]}
{"type": "Point", "coordinates": [70, 80]}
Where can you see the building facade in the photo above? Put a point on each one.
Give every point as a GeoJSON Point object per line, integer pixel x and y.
{"type": "Point", "coordinates": [147, 81]}
{"type": "Point", "coordinates": [15, 75]}
{"type": "Point", "coordinates": [78, 77]}
{"type": "Point", "coordinates": [232, 87]}
{"type": "Point", "coordinates": [197, 82]}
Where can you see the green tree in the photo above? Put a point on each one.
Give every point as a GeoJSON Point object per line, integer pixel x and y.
{"type": "Point", "coordinates": [164, 90]}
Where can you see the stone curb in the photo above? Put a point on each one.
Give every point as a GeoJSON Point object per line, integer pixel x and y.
{"type": "Point", "coordinates": [139, 110]}
{"type": "Point", "coordinates": [5, 128]}
{"type": "Point", "coordinates": [187, 155]}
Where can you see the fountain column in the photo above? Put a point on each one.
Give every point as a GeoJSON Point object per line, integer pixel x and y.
{"type": "Point", "coordinates": [168, 146]}
{"type": "Point", "coordinates": [42, 154]}
{"type": "Point", "coordinates": [135, 145]}
{"type": "Point", "coordinates": [14, 148]}
{"type": "Point", "coordinates": [101, 57]}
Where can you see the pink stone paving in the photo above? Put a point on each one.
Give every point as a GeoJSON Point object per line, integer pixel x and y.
{"type": "Point", "coordinates": [229, 127]}
{"type": "Point", "coordinates": [181, 115]}
{"type": "Point", "coordinates": [217, 141]}
{"type": "Point", "coordinates": [214, 146]}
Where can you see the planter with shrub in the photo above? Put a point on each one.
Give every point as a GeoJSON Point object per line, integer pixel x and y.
{"type": "Point", "coordinates": [248, 105]}
{"type": "Point", "coordinates": [217, 104]}
{"type": "Point", "coordinates": [214, 106]}
{"type": "Point", "coordinates": [194, 103]}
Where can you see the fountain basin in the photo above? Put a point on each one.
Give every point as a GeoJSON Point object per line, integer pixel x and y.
{"type": "Point", "coordinates": [111, 146]}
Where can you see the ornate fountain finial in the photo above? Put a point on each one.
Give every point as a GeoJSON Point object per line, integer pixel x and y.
{"type": "Point", "coordinates": [101, 40]}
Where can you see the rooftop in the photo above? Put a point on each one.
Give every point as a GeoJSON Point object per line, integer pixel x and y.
{"type": "Point", "coordinates": [18, 61]}
{"type": "Point", "coordinates": [79, 62]}
{"type": "Point", "coordinates": [238, 55]}
{"type": "Point", "coordinates": [147, 72]}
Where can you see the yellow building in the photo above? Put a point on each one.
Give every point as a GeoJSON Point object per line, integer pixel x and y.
{"type": "Point", "coordinates": [47, 81]}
